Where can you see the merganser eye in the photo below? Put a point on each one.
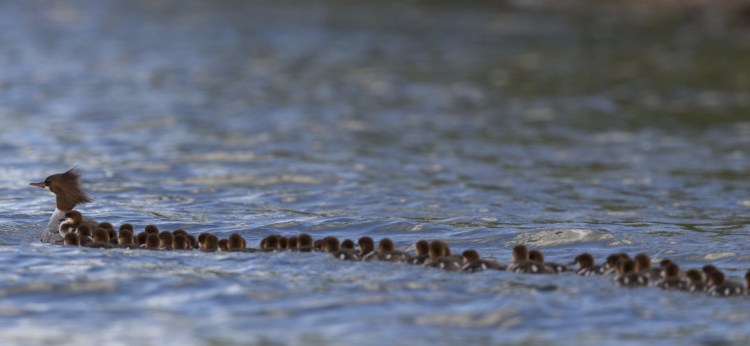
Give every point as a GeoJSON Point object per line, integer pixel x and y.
{"type": "Point", "coordinates": [46, 181]}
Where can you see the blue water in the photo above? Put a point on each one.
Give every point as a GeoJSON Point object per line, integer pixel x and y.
{"type": "Point", "coordinates": [484, 125]}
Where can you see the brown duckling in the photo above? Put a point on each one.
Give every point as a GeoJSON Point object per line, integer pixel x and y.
{"type": "Point", "coordinates": [304, 243]}
{"type": "Point", "coordinates": [210, 243]}
{"type": "Point", "coordinates": [101, 239]}
{"type": "Point", "coordinates": [550, 267]}
{"type": "Point", "coordinates": [180, 242]}
{"type": "Point", "coordinates": [440, 257]}
{"type": "Point", "coordinates": [192, 242]}
{"type": "Point", "coordinates": [113, 239]}
{"type": "Point", "coordinates": [318, 245]}
{"type": "Point", "coordinates": [521, 263]}
{"type": "Point", "coordinates": [152, 242]}
{"type": "Point", "coordinates": [223, 247]}
{"type": "Point", "coordinates": [718, 286]}
{"type": "Point", "coordinates": [613, 262]}
{"type": "Point", "coordinates": [71, 239]}
{"type": "Point", "coordinates": [628, 277]}
{"type": "Point", "coordinates": [125, 240]}
{"type": "Point", "coordinates": [347, 251]}
{"type": "Point", "coordinates": [331, 244]}
{"type": "Point", "coordinates": [140, 239]}
{"type": "Point", "coordinates": [694, 281]}
{"type": "Point", "coordinates": [151, 229]}
{"type": "Point", "coordinates": [73, 219]}
{"type": "Point", "coordinates": [282, 243]}
{"type": "Point", "coordinates": [387, 252]}
{"type": "Point", "coordinates": [236, 243]}
{"type": "Point", "coordinates": [127, 226]}
{"type": "Point", "coordinates": [643, 267]}
{"type": "Point", "coordinates": [422, 249]}
{"type": "Point", "coordinates": [165, 240]}
{"type": "Point", "coordinates": [270, 243]}
{"type": "Point", "coordinates": [671, 278]}
{"type": "Point", "coordinates": [472, 262]}
{"type": "Point", "coordinates": [348, 244]}
{"type": "Point", "coordinates": [586, 266]}
{"type": "Point", "coordinates": [291, 244]}
{"type": "Point", "coordinates": [366, 248]}
{"type": "Point", "coordinates": [84, 234]}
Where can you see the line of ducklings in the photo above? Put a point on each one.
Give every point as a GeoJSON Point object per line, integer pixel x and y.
{"type": "Point", "coordinates": [630, 272]}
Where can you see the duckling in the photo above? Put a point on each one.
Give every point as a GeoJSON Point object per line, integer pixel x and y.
{"type": "Point", "coordinates": [282, 243]}
{"type": "Point", "coordinates": [549, 267]}
{"type": "Point", "coordinates": [330, 244]}
{"type": "Point", "coordinates": [719, 287]}
{"type": "Point", "coordinates": [151, 229]}
{"type": "Point", "coordinates": [210, 243]}
{"type": "Point", "coordinates": [671, 278]}
{"type": "Point", "coordinates": [127, 226]}
{"type": "Point", "coordinates": [347, 251]}
{"type": "Point", "coordinates": [152, 242]}
{"type": "Point", "coordinates": [71, 239]}
{"type": "Point", "coordinates": [72, 220]}
{"type": "Point", "coordinates": [694, 281]}
{"type": "Point", "coordinates": [521, 263]}
{"type": "Point", "coordinates": [366, 248]}
{"type": "Point", "coordinates": [125, 240]}
{"type": "Point", "coordinates": [304, 243]}
{"type": "Point", "coordinates": [441, 258]}
{"type": "Point", "coordinates": [318, 245]}
{"type": "Point", "coordinates": [270, 243]}
{"type": "Point", "coordinates": [140, 239]}
{"type": "Point", "coordinates": [105, 225]}
{"type": "Point", "coordinates": [180, 242]}
{"type": "Point", "coordinates": [627, 276]}
{"type": "Point", "coordinates": [84, 234]}
{"type": "Point", "coordinates": [223, 247]}
{"type": "Point", "coordinates": [192, 242]}
{"type": "Point", "coordinates": [613, 262]}
{"type": "Point", "coordinates": [422, 249]}
{"type": "Point", "coordinates": [101, 239]}
{"type": "Point", "coordinates": [586, 266]}
{"type": "Point", "coordinates": [165, 240]}
{"type": "Point", "coordinates": [112, 236]}
{"type": "Point", "coordinates": [237, 243]}
{"type": "Point", "coordinates": [643, 267]}
{"type": "Point", "coordinates": [387, 252]}
{"type": "Point", "coordinates": [472, 263]}
{"type": "Point", "coordinates": [291, 244]}
{"type": "Point", "coordinates": [202, 238]}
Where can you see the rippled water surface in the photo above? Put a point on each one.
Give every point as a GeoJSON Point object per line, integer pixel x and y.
{"type": "Point", "coordinates": [486, 125]}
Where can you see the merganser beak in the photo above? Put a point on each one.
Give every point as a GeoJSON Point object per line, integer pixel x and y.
{"type": "Point", "coordinates": [41, 185]}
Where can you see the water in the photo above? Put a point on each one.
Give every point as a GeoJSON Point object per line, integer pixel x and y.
{"type": "Point", "coordinates": [599, 130]}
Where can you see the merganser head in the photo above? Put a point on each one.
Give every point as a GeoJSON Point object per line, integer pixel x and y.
{"type": "Point", "coordinates": [282, 243]}
{"type": "Point", "coordinates": [101, 235]}
{"type": "Point", "coordinates": [423, 248]}
{"type": "Point", "coordinates": [126, 237]}
{"type": "Point", "coordinates": [152, 241]}
{"type": "Point", "coordinates": [716, 278]}
{"type": "Point", "coordinates": [626, 267]}
{"type": "Point", "coordinates": [671, 270]}
{"type": "Point", "coordinates": [127, 226]}
{"type": "Point", "coordinates": [165, 239]}
{"type": "Point", "coordinates": [330, 244]}
{"type": "Point", "coordinates": [67, 189]}
{"type": "Point", "coordinates": [642, 262]}
{"type": "Point", "coordinates": [140, 239]}
{"type": "Point", "coordinates": [304, 240]}
{"type": "Point", "coordinates": [347, 244]}
{"type": "Point", "coordinates": [73, 217]}
{"type": "Point", "coordinates": [385, 245]}
{"type": "Point", "coordinates": [151, 229]}
{"type": "Point", "coordinates": [470, 255]}
{"type": "Point", "coordinates": [223, 245]}
{"type": "Point", "coordinates": [291, 243]}
{"type": "Point", "coordinates": [436, 249]}
{"type": "Point", "coordinates": [235, 242]}
{"type": "Point", "coordinates": [180, 242]}
{"type": "Point", "coordinates": [366, 245]}
{"type": "Point", "coordinates": [694, 276]}
{"type": "Point", "coordinates": [211, 243]}
{"type": "Point", "coordinates": [536, 256]}
{"type": "Point", "coordinates": [520, 253]}
{"type": "Point", "coordinates": [584, 260]}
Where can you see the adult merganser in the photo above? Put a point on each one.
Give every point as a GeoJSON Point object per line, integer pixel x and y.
{"type": "Point", "coordinates": [68, 193]}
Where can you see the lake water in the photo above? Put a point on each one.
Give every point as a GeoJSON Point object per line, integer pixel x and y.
{"type": "Point", "coordinates": [485, 125]}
